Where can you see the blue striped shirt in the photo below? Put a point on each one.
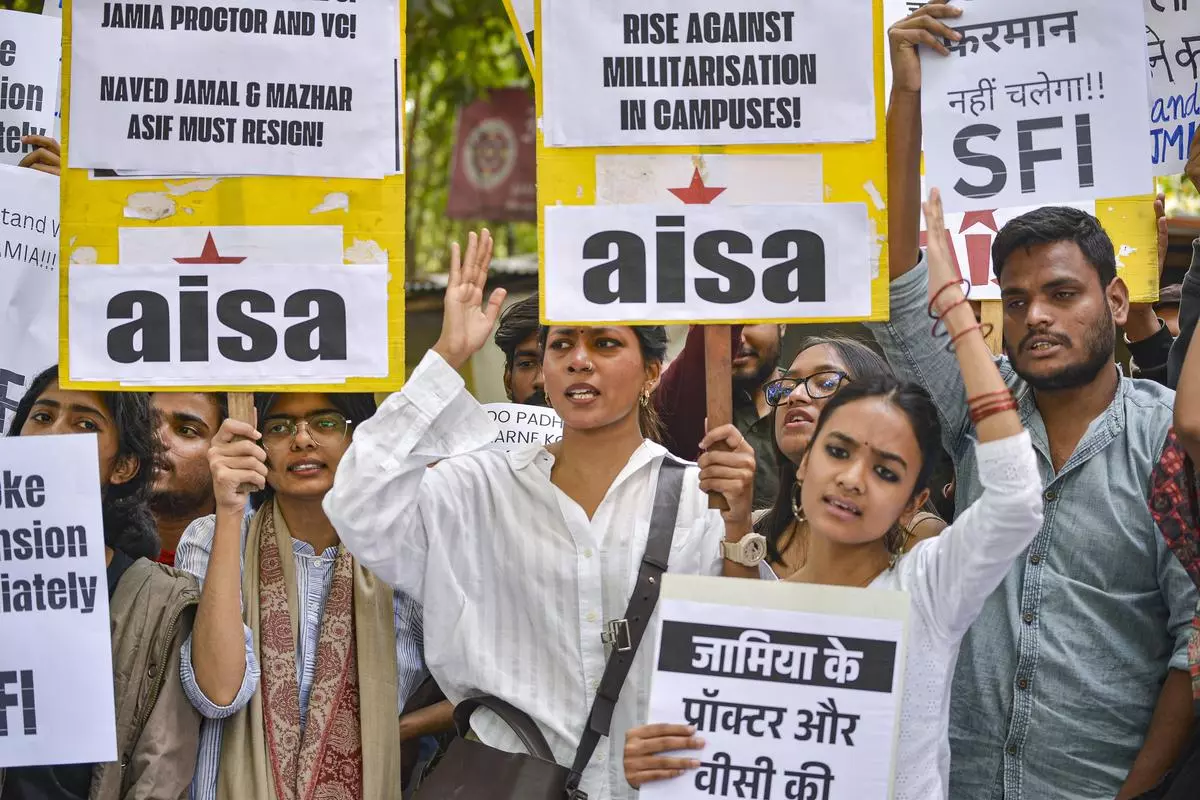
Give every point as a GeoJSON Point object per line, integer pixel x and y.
{"type": "Point", "coordinates": [314, 576]}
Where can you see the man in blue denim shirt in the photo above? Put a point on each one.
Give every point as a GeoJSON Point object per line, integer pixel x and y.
{"type": "Point", "coordinates": [1069, 684]}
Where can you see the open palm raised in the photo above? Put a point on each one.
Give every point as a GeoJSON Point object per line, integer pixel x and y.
{"type": "Point", "coordinates": [466, 322]}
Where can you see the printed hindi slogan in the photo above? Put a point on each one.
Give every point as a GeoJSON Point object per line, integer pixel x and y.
{"type": "Point", "coordinates": [1034, 105]}
{"type": "Point", "coordinates": [688, 72]}
{"type": "Point", "coordinates": [1173, 48]}
{"type": "Point", "coordinates": [295, 93]}
{"type": "Point", "coordinates": [800, 704]}
{"type": "Point", "coordinates": [56, 698]}
{"type": "Point", "coordinates": [29, 56]}
{"type": "Point", "coordinates": [29, 290]}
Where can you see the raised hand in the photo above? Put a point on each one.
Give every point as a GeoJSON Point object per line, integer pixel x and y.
{"type": "Point", "coordinates": [924, 26]}
{"type": "Point", "coordinates": [941, 264]}
{"type": "Point", "coordinates": [238, 463]}
{"type": "Point", "coordinates": [466, 322]}
{"type": "Point", "coordinates": [46, 158]}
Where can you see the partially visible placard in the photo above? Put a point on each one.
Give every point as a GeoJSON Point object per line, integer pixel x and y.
{"type": "Point", "coordinates": [521, 15]}
{"type": "Point", "coordinates": [29, 289]}
{"type": "Point", "coordinates": [1035, 105]}
{"type": "Point", "coordinates": [296, 92]}
{"type": "Point", "coordinates": [29, 74]}
{"type": "Point", "coordinates": [56, 677]}
{"type": "Point", "coordinates": [795, 689]}
{"type": "Point", "coordinates": [1173, 47]}
{"type": "Point", "coordinates": [522, 425]}
{"type": "Point", "coordinates": [688, 72]}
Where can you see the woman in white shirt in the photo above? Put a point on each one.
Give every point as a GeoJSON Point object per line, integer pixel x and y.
{"type": "Point", "coordinates": [521, 559]}
{"type": "Point", "coordinates": [869, 463]}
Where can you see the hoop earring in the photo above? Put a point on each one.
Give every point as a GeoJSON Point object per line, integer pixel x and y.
{"type": "Point", "coordinates": [797, 508]}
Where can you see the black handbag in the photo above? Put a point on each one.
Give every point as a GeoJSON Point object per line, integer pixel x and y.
{"type": "Point", "coordinates": [470, 770]}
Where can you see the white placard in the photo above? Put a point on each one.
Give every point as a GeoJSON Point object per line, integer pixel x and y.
{"type": "Point", "coordinates": [249, 244]}
{"type": "Point", "coordinates": [29, 70]}
{"type": "Point", "coordinates": [522, 425]}
{"type": "Point", "coordinates": [29, 289]}
{"type": "Point", "coordinates": [176, 324]}
{"type": "Point", "coordinates": [1036, 104]}
{"type": "Point", "coordinates": [56, 679]}
{"type": "Point", "coordinates": [800, 698]}
{"type": "Point", "coordinates": [1173, 50]}
{"type": "Point", "coordinates": [523, 10]}
{"type": "Point", "coordinates": [688, 72]}
{"type": "Point", "coordinates": [52, 8]}
{"type": "Point", "coordinates": [710, 179]}
{"type": "Point", "coordinates": [309, 90]}
{"type": "Point", "coordinates": [673, 263]}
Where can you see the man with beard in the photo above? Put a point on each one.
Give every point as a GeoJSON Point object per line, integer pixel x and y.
{"type": "Point", "coordinates": [680, 399]}
{"type": "Point", "coordinates": [183, 489]}
{"type": "Point", "coordinates": [1069, 684]}
{"type": "Point", "coordinates": [517, 335]}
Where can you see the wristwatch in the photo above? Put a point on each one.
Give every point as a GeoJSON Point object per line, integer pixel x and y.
{"type": "Point", "coordinates": [748, 551]}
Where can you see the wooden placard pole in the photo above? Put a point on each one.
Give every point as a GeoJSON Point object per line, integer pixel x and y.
{"type": "Point", "coordinates": [991, 312]}
{"type": "Point", "coordinates": [241, 408]}
{"type": "Point", "coordinates": [718, 385]}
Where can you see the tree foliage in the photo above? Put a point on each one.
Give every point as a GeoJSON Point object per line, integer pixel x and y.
{"type": "Point", "coordinates": [458, 50]}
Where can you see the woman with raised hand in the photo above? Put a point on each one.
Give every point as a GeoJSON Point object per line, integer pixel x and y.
{"type": "Point", "coordinates": [820, 369]}
{"type": "Point", "coordinates": [151, 607]}
{"type": "Point", "coordinates": [523, 559]}
{"type": "Point", "coordinates": [872, 452]}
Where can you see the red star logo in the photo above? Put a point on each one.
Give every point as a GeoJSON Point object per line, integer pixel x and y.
{"type": "Point", "coordinates": [697, 194]}
{"type": "Point", "coordinates": [209, 255]}
{"type": "Point", "coordinates": [988, 218]}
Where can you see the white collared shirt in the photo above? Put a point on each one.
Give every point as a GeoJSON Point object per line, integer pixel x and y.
{"type": "Point", "coordinates": [516, 582]}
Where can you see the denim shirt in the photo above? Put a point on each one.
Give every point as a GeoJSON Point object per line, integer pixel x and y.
{"type": "Point", "coordinates": [1058, 678]}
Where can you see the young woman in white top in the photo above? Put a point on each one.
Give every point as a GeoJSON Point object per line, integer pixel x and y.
{"type": "Point", "coordinates": [521, 558]}
{"type": "Point", "coordinates": [868, 465]}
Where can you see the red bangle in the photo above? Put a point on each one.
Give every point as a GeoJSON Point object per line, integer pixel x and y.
{"type": "Point", "coordinates": [983, 413]}
{"type": "Point", "coordinates": [985, 329]}
{"type": "Point", "coordinates": [934, 332]}
{"type": "Point", "coordinates": [933, 300]}
{"type": "Point", "coordinates": [987, 396]}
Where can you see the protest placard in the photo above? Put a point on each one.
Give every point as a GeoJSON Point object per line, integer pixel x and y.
{"type": "Point", "coordinates": [585, 194]}
{"type": "Point", "coordinates": [52, 8]}
{"type": "Point", "coordinates": [1173, 48]}
{"type": "Point", "coordinates": [799, 699]}
{"type": "Point", "coordinates": [29, 70]}
{"type": "Point", "coordinates": [56, 680]}
{"type": "Point", "coordinates": [295, 92]}
{"type": "Point", "coordinates": [689, 72]}
{"type": "Point", "coordinates": [243, 283]}
{"type": "Point", "coordinates": [29, 291]}
{"type": "Point", "coordinates": [1034, 105]}
{"type": "Point", "coordinates": [521, 15]}
{"type": "Point", "coordinates": [521, 425]}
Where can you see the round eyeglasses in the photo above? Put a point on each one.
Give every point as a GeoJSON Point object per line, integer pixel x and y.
{"type": "Point", "coordinates": [819, 385]}
{"type": "Point", "coordinates": [326, 428]}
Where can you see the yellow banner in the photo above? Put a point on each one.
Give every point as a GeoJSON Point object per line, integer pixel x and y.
{"type": "Point", "coordinates": [370, 213]}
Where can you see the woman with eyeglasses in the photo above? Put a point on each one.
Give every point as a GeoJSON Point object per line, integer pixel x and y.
{"type": "Point", "coordinates": [821, 368]}
{"type": "Point", "coordinates": [286, 609]}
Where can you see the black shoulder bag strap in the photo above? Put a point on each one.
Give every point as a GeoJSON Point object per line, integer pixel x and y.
{"type": "Point", "coordinates": [624, 635]}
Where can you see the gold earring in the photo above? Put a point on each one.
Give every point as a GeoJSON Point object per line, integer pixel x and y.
{"type": "Point", "coordinates": [645, 400]}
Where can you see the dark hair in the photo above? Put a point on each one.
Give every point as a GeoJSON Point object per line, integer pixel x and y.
{"type": "Point", "coordinates": [918, 406]}
{"type": "Point", "coordinates": [128, 523]}
{"type": "Point", "coordinates": [861, 363]}
{"type": "Point", "coordinates": [652, 341]}
{"type": "Point", "coordinates": [1057, 224]}
{"type": "Point", "coordinates": [356, 407]}
{"type": "Point", "coordinates": [517, 323]}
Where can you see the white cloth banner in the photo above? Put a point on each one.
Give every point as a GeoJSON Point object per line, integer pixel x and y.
{"type": "Point", "coordinates": [522, 425]}
{"type": "Point", "coordinates": [1036, 104]}
{"type": "Point", "coordinates": [672, 263]}
{"type": "Point", "coordinates": [688, 72]}
{"type": "Point", "coordinates": [178, 324]}
{"type": "Point", "coordinates": [29, 289]}
{"type": "Point", "coordinates": [803, 701]}
{"type": "Point", "coordinates": [56, 683]}
{"type": "Point", "coordinates": [30, 48]}
{"type": "Point", "coordinates": [295, 91]}
{"type": "Point", "coordinates": [1173, 50]}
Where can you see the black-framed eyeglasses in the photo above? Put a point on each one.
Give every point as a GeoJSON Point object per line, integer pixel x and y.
{"type": "Point", "coordinates": [818, 385]}
{"type": "Point", "coordinates": [325, 428]}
